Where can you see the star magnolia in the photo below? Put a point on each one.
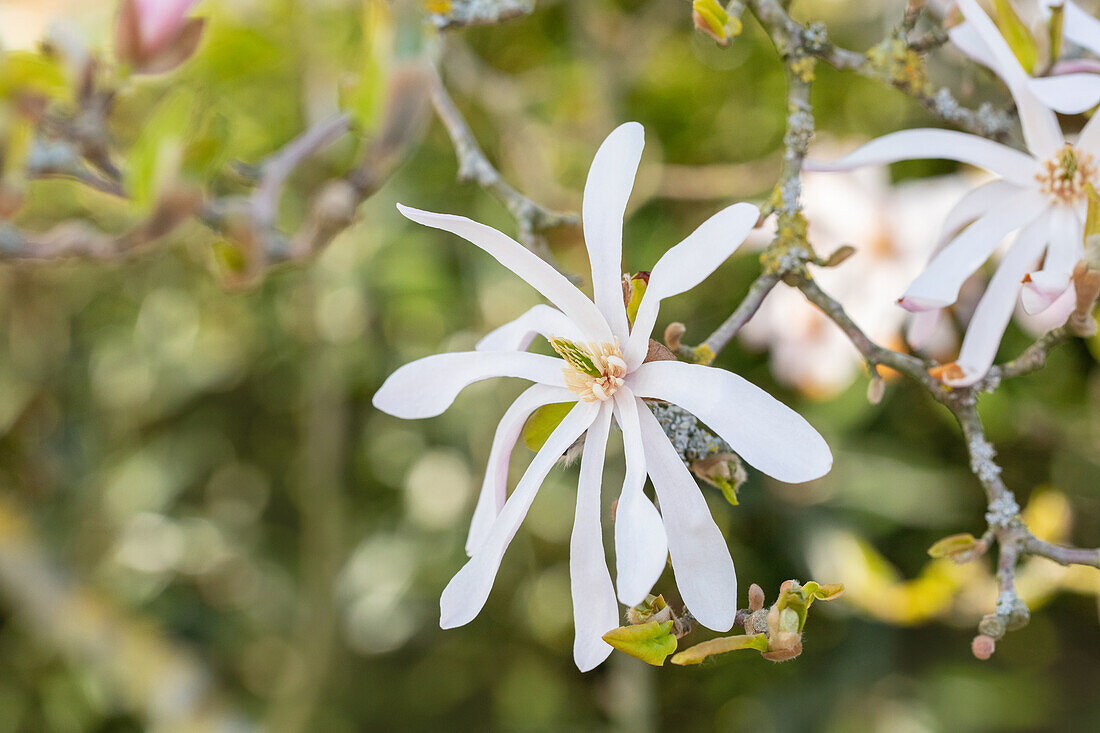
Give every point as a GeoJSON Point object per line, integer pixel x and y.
{"type": "Point", "coordinates": [886, 224]}
{"type": "Point", "coordinates": [602, 372]}
{"type": "Point", "coordinates": [1071, 86]}
{"type": "Point", "coordinates": [160, 21]}
{"type": "Point", "coordinates": [1040, 193]}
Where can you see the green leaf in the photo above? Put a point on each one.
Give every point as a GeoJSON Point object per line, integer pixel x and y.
{"type": "Point", "coordinates": [1092, 219]}
{"type": "Point", "coordinates": [827, 592]}
{"type": "Point", "coordinates": [954, 545]}
{"type": "Point", "coordinates": [1017, 35]}
{"type": "Point", "coordinates": [23, 71]}
{"type": "Point", "coordinates": [651, 642]}
{"type": "Point", "coordinates": [1054, 27]}
{"type": "Point", "coordinates": [158, 154]}
{"type": "Point", "coordinates": [543, 421]}
{"type": "Point", "coordinates": [638, 284]}
{"type": "Point", "coordinates": [722, 645]}
{"type": "Point", "coordinates": [575, 355]}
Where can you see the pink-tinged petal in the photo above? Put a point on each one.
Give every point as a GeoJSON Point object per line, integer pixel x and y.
{"type": "Point", "coordinates": [975, 204]}
{"type": "Point", "coordinates": [427, 387]}
{"type": "Point", "coordinates": [990, 319]}
{"type": "Point", "coordinates": [939, 284]}
{"type": "Point", "coordinates": [517, 335]}
{"type": "Point", "coordinates": [1041, 129]}
{"type": "Point", "coordinates": [922, 327]}
{"type": "Point", "coordinates": [770, 436]}
{"type": "Point", "coordinates": [929, 143]}
{"type": "Point", "coordinates": [595, 610]}
{"type": "Point", "coordinates": [610, 180]}
{"type": "Point", "coordinates": [465, 595]}
{"type": "Point", "coordinates": [1065, 248]}
{"type": "Point", "coordinates": [701, 560]}
{"type": "Point", "coordinates": [494, 487]}
{"type": "Point", "coordinates": [160, 20]}
{"type": "Point", "coordinates": [966, 39]}
{"type": "Point", "coordinates": [1052, 317]}
{"type": "Point", "coordinates": [641, 548]}
{"type": "Point", "coordinates": [1069, 94]}
{"type": "Point", "coordinates": [1076, 66]}
{"type": "Point", "coordinates": [686, 265]}
{"type": "Point", "coordinates": [1081, 28]}
{"type": "Point", "coordinates": [533, 269]}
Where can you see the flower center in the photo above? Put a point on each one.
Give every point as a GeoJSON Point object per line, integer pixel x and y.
{"type": "Point", "coordinates": [1064, 176]}
{"type": "Point", "coordinates": [596, 370]}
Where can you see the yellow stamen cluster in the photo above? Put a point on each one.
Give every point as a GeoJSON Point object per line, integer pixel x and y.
{"type": "Point", "coordinates": [1064, 176]}
{"type": "Point", "coordinates": [599, 372]}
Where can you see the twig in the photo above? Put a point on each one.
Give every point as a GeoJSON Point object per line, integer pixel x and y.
{"type": "Point", "coordinates": [741, 315]}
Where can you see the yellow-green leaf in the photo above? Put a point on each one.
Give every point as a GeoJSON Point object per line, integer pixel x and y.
{"type": "Point", "coordinates": [542, 422]}
{"type": "Point", "coordinates": [23, 71]}
{"type": "Point", "coordinates": [722, 645]}
{"type": "Point", "coordinates": [713, 16]}
{"type": "Point", "coordinates": [953, 545]}
{"type": "Point", "coordinates": [1057, 18]}
{"type": "Point", "coordinates": [651, 642]}
{"type": "Point", "coordinates": [826, 592]}
{"type": "Point", "coordinates": [1092, 219]}
{"type": "Point", "coordinates": [1016, 33]}
{"type": "Point", "coordinates": [638, 285]}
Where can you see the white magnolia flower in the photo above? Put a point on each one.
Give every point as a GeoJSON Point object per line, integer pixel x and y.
{"type": "Point", "coordinates": [1039, 193]}
{"type": "Point", "coordinates": [602, 372]}
{"type": "Point", "coordinates": [1071, 87]}
{"type": "Point", "coordinates": [887, 225]}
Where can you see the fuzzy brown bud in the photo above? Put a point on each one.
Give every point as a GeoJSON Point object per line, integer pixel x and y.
{"type": "Point", "coordinates": [983, 646]}
{"type": "Point", "coordinates": [673, 335]}
{"type": "Point", "coordinates": [756, 597]}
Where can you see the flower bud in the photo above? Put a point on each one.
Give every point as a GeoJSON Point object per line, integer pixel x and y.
{"type": "Point", "coordinates": [983, 646]}
{"type": "Point", "coordinates": [154, 36]}
{"type": "Point", "coordinates": [673, 335]}
{"type": "Point", "coordinates": [756, 597]}
{"type": "Point", "coordinates": [992, 626]}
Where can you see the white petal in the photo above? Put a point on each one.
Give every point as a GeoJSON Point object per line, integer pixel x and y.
{"type": "Point", "coordinates": [922, 327]}
{"type": "Point", "coordinates": [987, 326]}
{"type": "Point", "coordinates": [1089, 139]}
{"type": "Point", "coordinates": [927, 143]}
{"type": "Point", "coordinates": [1052, 317]}
{"type": "Point", "coordinates": [427, 387]}
{"type": "Point", "coordinates": [1081, 28]}
{"type": "Point", "coordinates": [641, 548]}
{"type": "Point", "coordinates": [973, 205]}
{"type": "Point", "coordinates": [1065, 249]}
{"type": "Point", "coordinates": [686, 265]}
{"type": "Point", "coordinates": [610, 180]}
{"type": "Point", "coordinates": [465, 595]}
{"type": "Point", "coordinates": [494, 487]}
{"type": "Point", "coordinates": [1041, 129]}
{"type": "Point", "coordinates": [1069, 94]}
{"type": "Point", "coordinates": [595, 611]}
{"type": "Point", "coordinates": [967, 40]}
{"type": "Point", "coordinates": [529, 266]}
{"type": "Point", "coordinates": [939, 284]}
{"type": "Point", "coordinates": [700, 558]}
{"type": "Point", "coordinates": [517, 335]}
{"type": "Point", "coordinates": [769, 435]}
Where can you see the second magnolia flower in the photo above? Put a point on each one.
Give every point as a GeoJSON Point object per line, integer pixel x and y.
{"type": "Point", "coordinates": [603, 371]}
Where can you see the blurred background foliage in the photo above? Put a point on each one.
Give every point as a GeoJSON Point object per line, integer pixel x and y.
{"type": "Point", "coordinates": [204, 525]}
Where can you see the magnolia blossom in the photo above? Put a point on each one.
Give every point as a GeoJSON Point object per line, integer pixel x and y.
{"type": "Point", "coordinates": [1071, 86]}
{"type": "Point", "coordinates": [887, 225]}
{"type": "Point", "coordinates": [1040, 194]}
{"type": "Point", "coordinates": [602, 371]}
{"type": "Point", "coordinates": [157, 35]}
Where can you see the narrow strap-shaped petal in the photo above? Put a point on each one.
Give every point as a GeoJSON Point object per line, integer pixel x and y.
{"type": "Point", "coordinates": [427, 387]}
{"type": "Point", "coordinates": [1041, 129]}
{"type": "Point", "coordinates": [686, 265]}
{"type": "Point", "coordinates": [1081, 28]}
{"type": "Point", "coordinates": [966, 39]}
{"type": "Point", "coordinates": [520, 260]}
{"type": "Point", "coordinates": [701, 560]}
{"type": "Point", "coordinates": [994, 310]}
{"type": "Point", "coordinates": [922, 326]}
{"type": "Point", "coordinates": [930, 143]}
{"type": "Point", "coordinates": [465, 595]}
{"type": "Point", "coordinates": [1053, 317]}
{"type": "Point", "coordinates": [641, 548]}
{"type": "Point", "coordinates": [595, 610]}
{"type": "Point", "coordinates": [938, 285]}
{"type": "Point", "coordinates": [1070, 94]}
{"type": "Point", "coordinates": [1089, 139]}
{"type": "Point", "coordinates": [769, 435]}
{"type": "Point", "coordinates": [606, 192]}
{"type": "Point", "coordinates": [1065, 249]}
{"type": "Point", "coordinates": [517, 335]}
{"type": "Point", "coordinates": [976, 203]}
{"type": "Point", "coordinates": [494, 487]}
